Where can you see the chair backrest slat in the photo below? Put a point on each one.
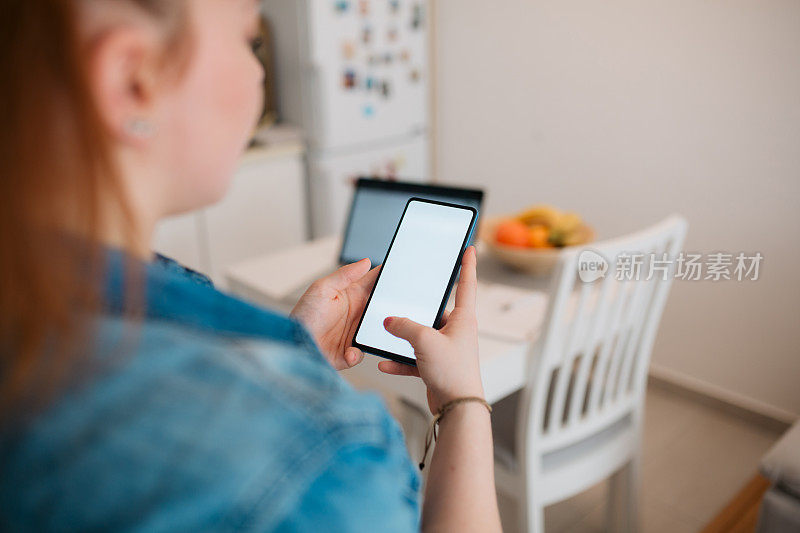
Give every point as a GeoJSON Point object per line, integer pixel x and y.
{"type": "Point", "coordinates": [629, 330]}
{"type": "Point", "coordinates": [565, 384]}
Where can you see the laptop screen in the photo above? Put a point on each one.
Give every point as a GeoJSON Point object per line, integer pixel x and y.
{"type": "Point", "coordinates": [376, 210]}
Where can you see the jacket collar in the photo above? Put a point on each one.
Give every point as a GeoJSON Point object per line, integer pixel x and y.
{"type": "Point", "coordinates": [173, 293]}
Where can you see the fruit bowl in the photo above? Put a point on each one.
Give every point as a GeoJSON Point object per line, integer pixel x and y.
{"type": "Point", "coordinates": [534, 255]}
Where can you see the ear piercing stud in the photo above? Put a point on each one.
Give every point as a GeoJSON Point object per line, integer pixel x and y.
{"type": "Point", "coordinates": [139, 127]}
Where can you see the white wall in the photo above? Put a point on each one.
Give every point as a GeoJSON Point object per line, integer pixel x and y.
{"type": "Point", "coordinates": [628, 110]}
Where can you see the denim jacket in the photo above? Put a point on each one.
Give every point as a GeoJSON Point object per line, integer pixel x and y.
{"type": "Point", "coordinates": [220, 416]}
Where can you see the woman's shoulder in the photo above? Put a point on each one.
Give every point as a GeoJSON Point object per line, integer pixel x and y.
{"type": "Point", "coordinates": [291, 378]}
{"type": "Point", "coordinates": [217, 425]}
{"type": "Point", "coordinates": [272, 385]}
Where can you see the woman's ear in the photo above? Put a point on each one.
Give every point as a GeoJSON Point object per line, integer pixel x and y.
{"type": "Point", "coordinates": [123, 70]}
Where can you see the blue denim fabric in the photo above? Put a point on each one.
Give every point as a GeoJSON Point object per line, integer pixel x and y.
{"type": "Point", "coordinates": [209, 415]}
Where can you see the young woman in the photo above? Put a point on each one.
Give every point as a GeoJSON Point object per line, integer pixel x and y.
{"type": "Point", "coordinates": [134, 395]}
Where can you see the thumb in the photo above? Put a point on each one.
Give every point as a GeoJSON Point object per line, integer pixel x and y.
{"type": "Point", "coordinates": [349, 274]}
{"type": "Point", "coordinates": [405, 328]}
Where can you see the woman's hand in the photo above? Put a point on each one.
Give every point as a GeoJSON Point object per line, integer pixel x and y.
{"type": "Point", "coordinates": [447, 359]}
{"type": "Point", "coordinates": [460, 490]}
{"type": "Point", "coordinates": [330, 310]}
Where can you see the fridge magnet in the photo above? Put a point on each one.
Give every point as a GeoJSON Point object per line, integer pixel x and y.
{"type": "Point", "coordinates": [348, 50]}
{"type": "Point", "coordinates": [391, 35]}
{"type": "Point", "coordinates": [342, 6]}
{"type": "Point", "coordinates": [366, 35]}
{"type": "Point", "coordinates": [370, 83]}
{"type": "Point", "coordinates": [405, 55]}
{"type": "Point", "coordinates": [388, 58]}
{"type": "Point", "coordinates": [363, 7]}
{"type": "Point", "coordinates": [415, 75]}
{"type": "Point", "coordinates": [368, 111]}
{"type": "Point", "coordinates": [349, 79]}
{"type": "Point", "coordinates": [417, 19]}
{"type": "Point", "coordinates": [386, 89]}
{"type": "Point", "coordinates": [394, 5]}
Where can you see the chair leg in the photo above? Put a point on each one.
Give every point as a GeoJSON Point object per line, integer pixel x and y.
{"type": "Point", "coordinates": [532, 516]}
{"type": "Point", "coordinates": [623, 504]}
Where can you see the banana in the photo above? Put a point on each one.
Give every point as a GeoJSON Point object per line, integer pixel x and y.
{"type": "Point", "coordinates": [540, 214]}
{"type": "Point", "coordinates": [567, 223]}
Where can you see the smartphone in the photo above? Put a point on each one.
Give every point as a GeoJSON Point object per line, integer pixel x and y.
{"type": "Point", "coordinates": [417, 275]}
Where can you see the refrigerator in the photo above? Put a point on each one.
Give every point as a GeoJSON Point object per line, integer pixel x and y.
{"type": "Point", "coordinates": [354, 75]}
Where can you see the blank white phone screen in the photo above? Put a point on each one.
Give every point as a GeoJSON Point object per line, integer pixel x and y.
{"type": "Point", "coordinates": [415, 275]}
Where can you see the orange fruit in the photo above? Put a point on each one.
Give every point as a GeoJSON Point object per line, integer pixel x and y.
{"type": "Point", "coordinates": [538, 236]}
{"type": "Point", "coordinates": [512, 233]}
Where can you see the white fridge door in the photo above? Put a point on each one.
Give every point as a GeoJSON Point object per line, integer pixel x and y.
{"type": "Point", "coordinates": [332, 179]}
{"type": "Point", "coordinates": [369, 71]}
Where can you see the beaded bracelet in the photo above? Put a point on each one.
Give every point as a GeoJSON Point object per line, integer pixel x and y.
{"type": "Point", "coordinates": [431, 436]}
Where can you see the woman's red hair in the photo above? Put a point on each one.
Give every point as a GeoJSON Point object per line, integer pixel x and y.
{"type": "Point", "coordinates": [56, 169]}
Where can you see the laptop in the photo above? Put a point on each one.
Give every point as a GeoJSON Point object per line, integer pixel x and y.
{"type": "Point", "coordinates": [376, 209]}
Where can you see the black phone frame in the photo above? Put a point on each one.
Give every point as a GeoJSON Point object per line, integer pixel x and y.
{"type": "Point", "coordinates": [453, 275]}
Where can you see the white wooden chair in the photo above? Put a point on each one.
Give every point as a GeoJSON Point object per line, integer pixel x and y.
{"type": "Point", "coordinates": [579, 419]}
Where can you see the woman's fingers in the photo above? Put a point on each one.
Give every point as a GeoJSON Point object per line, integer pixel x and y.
{"type": "Point", "coordinates": [468, 283]}
{"type": "Point", "coordinates": [404, 328]}
{"type": "Point", "coordinates": [368, 280]}
{"type": "Point", "coordinates": [445, 317]}
{"type": "Point", "coordinates": [398, 369]}
{"type": "Point", "coordinates": [353, 356]}
{"type": "Point", "coordinates": [348, 274]}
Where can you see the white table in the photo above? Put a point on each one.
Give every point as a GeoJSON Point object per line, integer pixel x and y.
{"type": "Point", "coordinates": [277, 280]}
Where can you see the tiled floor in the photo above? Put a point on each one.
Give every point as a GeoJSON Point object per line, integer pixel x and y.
{"type": "Point", "coordinates": [695, 459]}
